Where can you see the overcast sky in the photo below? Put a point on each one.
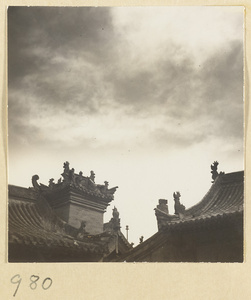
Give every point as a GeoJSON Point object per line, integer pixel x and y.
{"type": "Point", "coordinates": [146, 97]}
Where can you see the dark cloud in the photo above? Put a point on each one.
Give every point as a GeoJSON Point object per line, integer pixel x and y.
{"type": "Point", "coordinates": [72, 60]}
{"type": "Point", "coordinates": [21, 131]}
{"type": "Point", "coordinates": [24, 135]}
{"type": "Point", "coordinates": [161, 84]}
{"type": "Point", "coordinates": [47, 47]}
{"type": "Point", "coordinates": [210, 93]}
{"type": "Point", "coordinates": [223, 90]}
{"type": "Point", "coordinates": [79, 31]}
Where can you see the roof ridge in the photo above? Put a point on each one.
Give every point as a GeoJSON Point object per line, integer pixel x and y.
{"type": "Point", "coordinates": [212, 189]}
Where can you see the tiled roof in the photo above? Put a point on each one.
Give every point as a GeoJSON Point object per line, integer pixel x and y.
{"type": "Point", "coordinates": [84, 185]}
{"type": "Point", "coordinates": [35, 224]}
{"type": "Point", "coordinates": [225, 197]}
{"type": "Point", "coordinates": [17, 192]}
{"type": "Point", "coordinates": [162, 238]}
{"type": "Point", "coordinates": [223, 204]}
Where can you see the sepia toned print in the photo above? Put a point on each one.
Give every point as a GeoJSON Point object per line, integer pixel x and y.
{"type": "Point", "coordinates": [116, 119]}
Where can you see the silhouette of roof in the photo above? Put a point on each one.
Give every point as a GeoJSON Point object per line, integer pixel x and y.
{"type": "Point", "coordinates": [84, 185]}
{"type": "Point", "coordinates": [33, 222]}
{"type": "Point", "coordinates": [225, 197]}
{"type": "Point", "coordinates": [222, 203]}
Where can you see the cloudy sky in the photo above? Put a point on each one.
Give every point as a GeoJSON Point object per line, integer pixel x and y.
{"type": "Point", "coordinates": [146, 97]}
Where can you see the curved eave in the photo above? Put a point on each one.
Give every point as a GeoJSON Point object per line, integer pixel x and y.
{"type": "Point", "coordinates": [35, 225]}
{"type": "Point", "coordinates": [21, 193]}
{"type": "Point", "coordinates": [226, 195]}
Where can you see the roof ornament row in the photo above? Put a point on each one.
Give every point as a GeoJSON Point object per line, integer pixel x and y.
{"type": "Point", "coordinates": [69, 177]}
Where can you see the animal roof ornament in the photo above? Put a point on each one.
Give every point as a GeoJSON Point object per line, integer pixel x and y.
{"type": "Point", "coordinates": [178, 207]}
{"type": "Point", "coordinates": [84, 184]}
{"type": "Point", "coordinates": [214, 171]}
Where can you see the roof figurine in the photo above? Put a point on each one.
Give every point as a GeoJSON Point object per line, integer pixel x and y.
{"type": "Point", "coordinates": [81, 233]}
{"type": "Point", "coordinates": [114, 224]}
{"type": "Point", "coordinates": [115, 213]}
{"type": "Point", "coordinates": [66, 167]}
{"type": "Point", "coordinates": [65, 174]}
{"type": "Point", "coordinates": [72, 176]}
{"type": "Point", "coordinates": [37, 233]}
{"type": "Point", "coordinates": [63, 221]}
{"type": "Point", "coordinates": [78, 181]}
{"type": "Point", "coordinates": [179, 208]}
{"type": "Point", "coordinates": [92, 176]}
{"type": "Point", "coordinates": [214, 171]}
{"type": "Point", "coordinates": [209, 231]}
{"type": "Point", "coordinates": [141, 239]}
{"type": "Point", "coordinates": [51, 182]}
{"type": "Point", "coordinates": [35, 184]}
{"type": "Point", "coordinates": [104, 188]}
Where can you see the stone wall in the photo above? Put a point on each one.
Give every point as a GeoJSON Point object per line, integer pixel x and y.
{"type": "Point", "coordinates": [93, 219]}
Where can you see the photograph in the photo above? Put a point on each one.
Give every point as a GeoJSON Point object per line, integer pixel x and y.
{"type": "Point", "coordinates": [125, 134]}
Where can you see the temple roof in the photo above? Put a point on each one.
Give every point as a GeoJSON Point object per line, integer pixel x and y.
{"type": "Point", "coordinates": [162, 238]}
{"type": "Point", "coordinates": [225, 197]}
{"type": "Point", "coordinates": [33, 222]}
{"type": "Point", "coordinates": [84, 185]}
{"type": "Point", "coordinates": [223, 204]}
{"type": "Point", "coordinates": [25, 194]}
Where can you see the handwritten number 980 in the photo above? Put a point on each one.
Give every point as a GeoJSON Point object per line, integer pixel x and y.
{"type": "Point", "coordinates": [33, 282]}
